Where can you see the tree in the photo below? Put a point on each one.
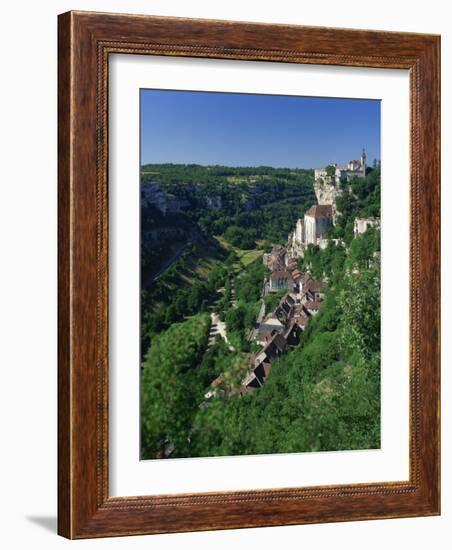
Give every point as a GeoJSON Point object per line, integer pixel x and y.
{"type": "Point", "coordinates": [235, 319]}
{"type": "Point", "coordinates": [330, 170]}
{"type": "Point", "coordinates": [170, 389]}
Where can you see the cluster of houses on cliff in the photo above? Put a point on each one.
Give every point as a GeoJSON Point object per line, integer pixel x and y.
{"type": "Point", "coordinates": [282, 327]}
{"type": "Point", "coordinates": [328, 186]}
{"type": "Point", "coordinates": [304, 295]}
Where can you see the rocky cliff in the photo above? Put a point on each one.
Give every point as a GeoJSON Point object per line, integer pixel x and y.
{"type": "Point", "coordinates": [326, 192]}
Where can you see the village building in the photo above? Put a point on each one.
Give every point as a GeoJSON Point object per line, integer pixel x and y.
{"type": "Point", "coordinates": [315, 290]}
{"type": "Point", "coordinates": [284, 310]}
{"type": "Point", "coordinates": [292, 333]}
{"type": "Point", "coordinates": [312, 306]}
{"type": "Point", "coordinates": [328, 182]}
{"type": "Point", "coordinates": [317, 220]}
{"type": "Point", "coordinates": [276, 259]}
{"type": "Point", "coordinates": [283, 327]}
{"type": "Point", "coordinates": [299, 231]}
{"type": "Point", "coordinates": [272, 323]}
{"type": "Point", "coordinates": [280, 280]}
{"type": "Point", "coordinates": [304, 280]}
{"type": "Point", "coordinates": [262, 361]}
{"type": "Point", "coordinates": [268, 329]}
{"type": "Point", "coordinates": [251, 382]}
{"type": "Point", "coordinates": [264, 336]}
{"type": "Point", "coordinates": [301, 319]}
{"type": "Point", "coordinates": [362, 224]}
{"type": "Point", "coordinates": [262, 371]}
{"type": "Point", "coordinates": [272, 350]}
{"type": "Point", "coordinates": [310, 230]}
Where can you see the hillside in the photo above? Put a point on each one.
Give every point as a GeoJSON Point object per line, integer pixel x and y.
{"type": "Point", "coordinates": [321, 394]}
{"type": "Point", "coordinates": [209, 226]}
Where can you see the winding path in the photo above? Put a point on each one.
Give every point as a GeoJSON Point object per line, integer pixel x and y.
{"type": "Point", "coordinates": [218, 327]}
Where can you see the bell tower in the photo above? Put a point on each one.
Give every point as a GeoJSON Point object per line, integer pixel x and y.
{"type": "Point", "coordinates": [363, 161]}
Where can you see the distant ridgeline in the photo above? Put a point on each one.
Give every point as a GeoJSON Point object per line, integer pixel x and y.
{"type": "Point", "coordinates": [183, 203]}
{"type": "Point", "coordinates": [296, 365]}
{"type": "Point", "coordinates": [217, 189]}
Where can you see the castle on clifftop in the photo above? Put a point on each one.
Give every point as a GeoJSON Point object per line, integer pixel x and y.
{"type": "Point", "coordinates": [320, 217]}
{"type": "Point", "coordinates": [354, 169]}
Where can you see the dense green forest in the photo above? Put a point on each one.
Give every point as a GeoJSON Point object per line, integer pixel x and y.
{"type": "Point", "coordinates": [172, 383]}
{"type": "Point", "coordinates": [323, 394]}
{"type": "Point", "coordinates": [243, 204]}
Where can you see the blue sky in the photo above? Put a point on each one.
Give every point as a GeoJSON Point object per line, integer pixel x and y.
{"type": "Point", "coordinates": [253, 130]}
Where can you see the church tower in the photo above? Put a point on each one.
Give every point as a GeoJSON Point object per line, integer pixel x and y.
{"type": "Point", "coordinates": [363, 161]}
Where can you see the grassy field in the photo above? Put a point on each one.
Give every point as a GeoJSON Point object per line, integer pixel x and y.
{"type": "Point", "coordinates": [248, 256]}
{"type": "Point", "coordinates": [245, 256]}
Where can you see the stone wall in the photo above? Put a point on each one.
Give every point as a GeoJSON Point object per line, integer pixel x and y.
{"type": "Point", "coordinates": [310, 232]}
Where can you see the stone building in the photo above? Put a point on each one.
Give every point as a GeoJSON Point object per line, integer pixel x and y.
{"type": "Point", "coordinates": [312, 228]}
{"type": "Point", "coordinates": [280, 279]}
{"type": "Point", "coordinates": [362, 224]}
{"type": "Point", "coordinates": [276, 259]}
{"type": "Point", "coordinates": [354, 168]}
{"type": "Point", "coordinates": [317, 220]}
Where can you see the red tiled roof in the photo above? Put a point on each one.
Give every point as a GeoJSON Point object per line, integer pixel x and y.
{"type": "Point", "coordinates": [266, 335]}
{"type": "Point", "coordinates": [301, 320]}
{"type": "Point", "coordinates": [313, 305]}
{"type": "Point", "coordinates": [286, 298]}
{"type": "Point", "coordinates": [279, 341]}
{"type": "Point", "coordinates": [315, 286]}
{"type": "Point", "coordinates": [320, 211]}
{"type": "Point", "coordinates": [281, 275]}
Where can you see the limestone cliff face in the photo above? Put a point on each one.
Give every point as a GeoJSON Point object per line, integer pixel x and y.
{"type": "Point", "coordinates": [326, 192]}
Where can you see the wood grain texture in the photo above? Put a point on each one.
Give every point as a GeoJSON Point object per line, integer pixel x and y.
{"type": "Point", "coordinates": [64, 295]}
{"type": "Point", "coordinates": [85, 42]}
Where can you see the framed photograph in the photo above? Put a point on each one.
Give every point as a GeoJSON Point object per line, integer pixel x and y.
{"type": "Point", "coordinates": [249, 265]}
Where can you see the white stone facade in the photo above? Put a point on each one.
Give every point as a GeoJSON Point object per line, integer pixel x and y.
{"type": "Point", "coordinates": [310, 230]}
{"type": "Point", "coordinates": [299, 231]}
{"type": "Point", "coordinates": [362, 224]}
{"type": "Point", "coordinates": [315, 228]}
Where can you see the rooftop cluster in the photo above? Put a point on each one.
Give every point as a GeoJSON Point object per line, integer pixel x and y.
{"type": "Point", "coordinates": [282, 327]}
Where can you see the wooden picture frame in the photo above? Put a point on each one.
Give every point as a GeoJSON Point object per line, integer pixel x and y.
{"type": "Point", "coordinates": [86, 40]}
